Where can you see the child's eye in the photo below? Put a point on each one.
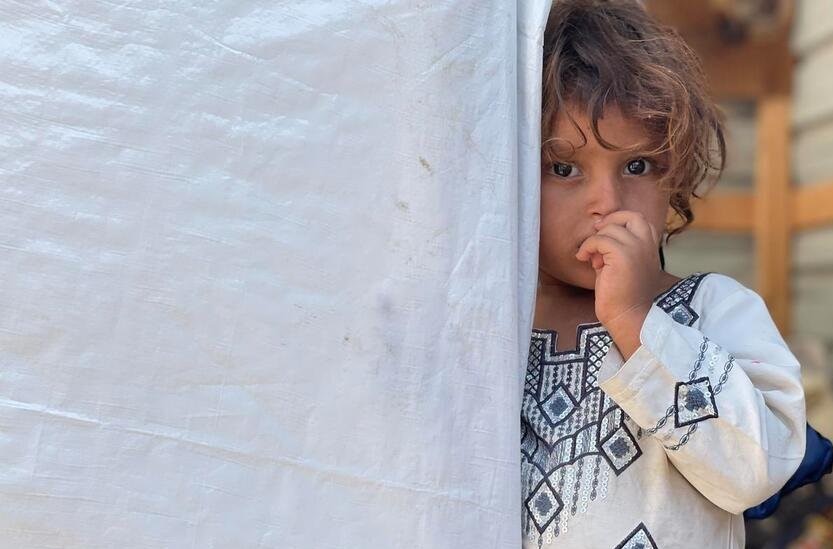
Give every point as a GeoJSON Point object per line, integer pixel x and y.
{"type": "Point", "coordinates": [562, 169]}
{"type": "Point", "coordinates": [638, 166]}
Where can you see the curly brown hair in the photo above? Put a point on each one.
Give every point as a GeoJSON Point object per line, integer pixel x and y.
{"type": "Point", "coordinates": [599, 53]}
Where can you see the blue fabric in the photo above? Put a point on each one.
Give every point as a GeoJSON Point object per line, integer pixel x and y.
{"type": "Point", "coordinates": [817, 462]}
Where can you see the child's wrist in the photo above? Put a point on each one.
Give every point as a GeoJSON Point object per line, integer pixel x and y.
{"type": "Point", "coordinates": [625, 328]}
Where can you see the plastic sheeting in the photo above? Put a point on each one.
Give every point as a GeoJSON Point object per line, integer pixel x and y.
{"type": "Point", "coordinates": [268, 271]}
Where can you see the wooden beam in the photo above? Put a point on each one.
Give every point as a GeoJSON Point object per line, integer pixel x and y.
{"type": "Point", "coordinates": [809, 206]}
{"type": "Point", "coordinates": [735, 72]}
{"type": "Point", "coordinates": [687, 17]}
{"type": "Point", "coordinates": [742, 70]}
{"type": "Point", "coordinates": [729, 211]}
{"type": "Point", "coordinates": [812, 206]}
{"type": "Point", "coordinates": [772, 207]}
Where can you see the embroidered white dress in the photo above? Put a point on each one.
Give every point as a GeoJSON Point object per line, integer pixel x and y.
{"type": "Point", "coordinates": [667, 449]}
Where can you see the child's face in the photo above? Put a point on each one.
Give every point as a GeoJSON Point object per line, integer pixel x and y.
{"type": "Point", "coordinates": [592, 182]}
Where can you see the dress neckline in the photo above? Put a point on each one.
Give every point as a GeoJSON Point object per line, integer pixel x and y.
{"type": "Point", "coordinates": [583, 326]}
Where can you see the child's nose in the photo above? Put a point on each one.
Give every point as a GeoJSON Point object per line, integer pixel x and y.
{"type": "Point", "coordinates": [605, 197]}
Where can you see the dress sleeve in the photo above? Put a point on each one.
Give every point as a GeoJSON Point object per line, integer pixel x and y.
{"type": "Point", "coordinates": [724, 399]}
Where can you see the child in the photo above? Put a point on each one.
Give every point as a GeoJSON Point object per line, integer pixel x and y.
{"type": "Point", "coordinates": [679, 406]}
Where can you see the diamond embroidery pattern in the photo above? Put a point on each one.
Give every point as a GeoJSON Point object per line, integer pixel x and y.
{"type": "Point", "coordinates": [640, 538]}
{"type": "Point", "coordinates": [543, 505]}
{"type": "Point", "coordinates": [565, 418]}
{"type": "Point", "coordinates": [694, 402]}
{"type": "Point", "coordinates": [598, 348]}
{"type": "Point", "coordinates": [558, 406]}
{"type": "Point", "coordinates": [676, 300]}
{"type": "Point", "coordinates": [683, 314]}
{"type": "Point", "coordinates": [620, 449]}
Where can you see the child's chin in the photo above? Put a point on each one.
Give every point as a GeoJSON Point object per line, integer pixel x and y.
{"type": "Point", "coordinates": [585, 278]}
{"type": "Point", "coordinates": [591, 285]}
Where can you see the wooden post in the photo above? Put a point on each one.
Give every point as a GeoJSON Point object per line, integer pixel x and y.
{"type": "Point", "coordinates": [773, 203]}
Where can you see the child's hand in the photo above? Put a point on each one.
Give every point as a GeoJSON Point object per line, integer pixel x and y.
{"type": "Point", "coordinates": [624, 255]}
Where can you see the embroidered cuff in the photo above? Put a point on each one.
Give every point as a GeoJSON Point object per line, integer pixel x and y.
{"type": "Point", "coordinates": [623, 381]}
{"type": "Point", "coordinates": [617, 375]}
{"type": "Point", "coordinates": [655, 329]}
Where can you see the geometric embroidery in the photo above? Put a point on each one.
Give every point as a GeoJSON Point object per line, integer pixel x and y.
{"type": "Point", "coordinates": [683, 314]}
{"type": "Point", "coordinates": [573, 435]}
{"type": "Point", "coordinates": [640, 538]}
{"type": "Point", "coordinates": [574, 438]}
{"type": "Point", "coordinates": [558, 405]}
{"type": "Point", "coordinates": [543, 505]}
{"type": "Point", "coordinates": [620, 449]}
{"type": "Point", "coordinates": [676, 300]}
{"type": "Point", "coordinates": [694, 402]}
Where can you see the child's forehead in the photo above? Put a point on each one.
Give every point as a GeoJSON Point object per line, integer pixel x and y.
{"type": "Point", "coordinates": [572, 129]}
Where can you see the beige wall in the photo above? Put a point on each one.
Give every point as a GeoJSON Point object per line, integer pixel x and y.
{"type": "Point", "coordinates": [812, 163]}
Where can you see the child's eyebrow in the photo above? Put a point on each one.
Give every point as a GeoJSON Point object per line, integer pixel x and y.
{"type": "Point", "coordinates": [561, 147]}
{"type": "Point", "coordinates": [552, 156]}
{"type": "Point", "coordinates": [642, 150]}
{"type": "Point", "coordinates": [566, 153]}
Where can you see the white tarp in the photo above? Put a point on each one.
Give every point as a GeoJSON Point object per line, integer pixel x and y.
{"type": "Point", "coordinates": [268, 271]}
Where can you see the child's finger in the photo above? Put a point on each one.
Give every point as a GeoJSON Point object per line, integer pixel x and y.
{"type": "Point", "coordinates": [633, 221]}
{"type": "Point", "coordinates": [655, 238]}
{"type": "Point", "coordinates": [622, 217]}
{"type": "Point", "coordinates": [621, 234]}
{"type": "Point", "coordinates": [597, 244]}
